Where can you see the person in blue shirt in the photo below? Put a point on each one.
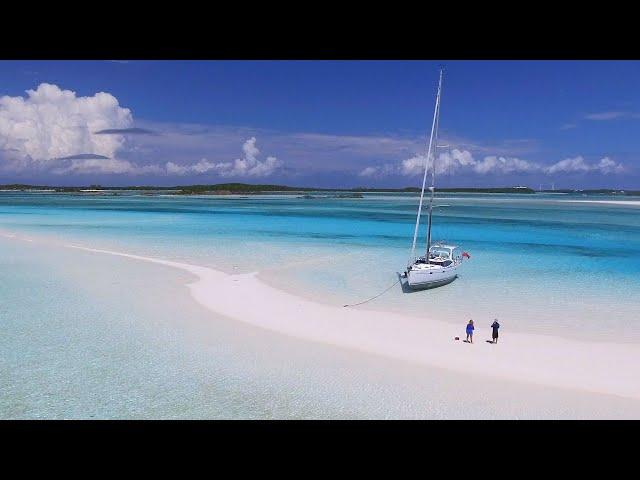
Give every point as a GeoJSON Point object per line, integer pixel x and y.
{"type": "Point", "coordinates": [470, 328]}
{"type": "Point", "coordinates": [495, 326]}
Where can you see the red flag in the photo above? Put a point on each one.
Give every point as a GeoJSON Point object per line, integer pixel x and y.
{"type": "Point", "coordinates": [465, 254]}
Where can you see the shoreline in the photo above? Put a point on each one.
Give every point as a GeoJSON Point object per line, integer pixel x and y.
{"type": "Point", "coordinates": [634, 203]}
{"type": "Point", "coordinates": [606, 368]}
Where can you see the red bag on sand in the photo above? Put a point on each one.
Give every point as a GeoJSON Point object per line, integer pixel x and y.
{"type": "Point", "coordinates": [457, 338]}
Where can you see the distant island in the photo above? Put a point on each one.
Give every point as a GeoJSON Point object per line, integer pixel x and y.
{"type": "Point", "coordinates": [247, 189]}
{"type": "Point", "coordinates": [336, 195]}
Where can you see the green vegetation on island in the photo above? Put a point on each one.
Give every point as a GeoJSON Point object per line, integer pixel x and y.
{"type": "Point", "coordinates": [247, 189]}
{"type": "Point", "coordinates": [339, 195]}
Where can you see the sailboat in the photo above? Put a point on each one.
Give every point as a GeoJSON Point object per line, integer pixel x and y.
{"type": "Point", "coordinates": [440, 262]}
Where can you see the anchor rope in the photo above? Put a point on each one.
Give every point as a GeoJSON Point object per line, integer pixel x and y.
{"type": "Point", "coordinates": [373, 298]}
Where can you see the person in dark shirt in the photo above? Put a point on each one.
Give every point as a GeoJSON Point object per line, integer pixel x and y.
{"type": "Point", "coordinates": [495, 326]}
{"type": "Point", "coordinates": [470, 328]}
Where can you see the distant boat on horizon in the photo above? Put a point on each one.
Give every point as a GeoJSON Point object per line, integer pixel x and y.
{"type": "Point", "coordinates": [439, 265]}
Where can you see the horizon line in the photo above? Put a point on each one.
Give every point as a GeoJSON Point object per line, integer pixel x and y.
{"type": "Point", "coordinates": [273, 187]}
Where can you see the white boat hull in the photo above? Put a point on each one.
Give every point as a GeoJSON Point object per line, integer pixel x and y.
{"type": "Point", "coordinates": [422, 276]}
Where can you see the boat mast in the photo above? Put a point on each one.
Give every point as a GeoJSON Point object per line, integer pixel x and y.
{"type": "Point", "coordinates": [426, 169]}
{"type": "Point", "coordinates": [433, 168]}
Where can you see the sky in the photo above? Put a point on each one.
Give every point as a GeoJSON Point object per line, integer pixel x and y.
{"type": "Point", "coordinates": [566, 124]}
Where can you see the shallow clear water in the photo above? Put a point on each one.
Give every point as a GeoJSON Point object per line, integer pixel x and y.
{"type": "Point", "coordinates": [85, 335]}
{"type": "Point", "coordinates": [539, 263]}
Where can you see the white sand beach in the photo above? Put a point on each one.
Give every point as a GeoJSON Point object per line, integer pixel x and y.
{"type": "Point", "coordinates": [364, 364]}
{"type": "Point", "coordinates": [632, 203]}
{"type": "Point", "coordinates": [594, 367]}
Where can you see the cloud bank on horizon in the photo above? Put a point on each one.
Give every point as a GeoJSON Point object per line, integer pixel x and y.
{"type": "Point", "coordinates": [247, 166]}
{"type": "Point", "coordinates": [451, 162]}
{"type": "Point", "coordinates": [54, 133]}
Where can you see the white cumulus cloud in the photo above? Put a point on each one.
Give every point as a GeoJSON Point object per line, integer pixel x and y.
{"type": "Point", "coordinates": [493, 164]}
{"type": "Point", "coordinates": [413, 166]}
{"type": "Point", "coordinates": [50, 123]}
{"type": "Point", "coordinates": [369, 172]}
{"type": "Point", "coordinates": [462, 160]}
{"type": "Point", "coordinates": [450, 162]}
{"type": "Point", "coordinates": [379, 171]}
{"type": "Point", "coordinates": [606, 165]}
{"type": "Point", "coordinates": [247, 166]}
{"type": "Point", "coordinates": [579, 164]}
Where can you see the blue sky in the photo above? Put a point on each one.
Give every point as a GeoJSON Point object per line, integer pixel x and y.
{"type": "Point", "coordinates": [323, 123]}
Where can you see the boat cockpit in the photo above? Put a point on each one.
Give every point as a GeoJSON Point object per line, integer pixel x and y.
{"type": "Point", "coordinates": [443, 255]}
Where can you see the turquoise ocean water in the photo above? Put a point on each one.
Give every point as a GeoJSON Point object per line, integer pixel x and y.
{"type": "Point", "coordinates": [540, 263]}
{"type": "Point", "coordinates": [87, 335]}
